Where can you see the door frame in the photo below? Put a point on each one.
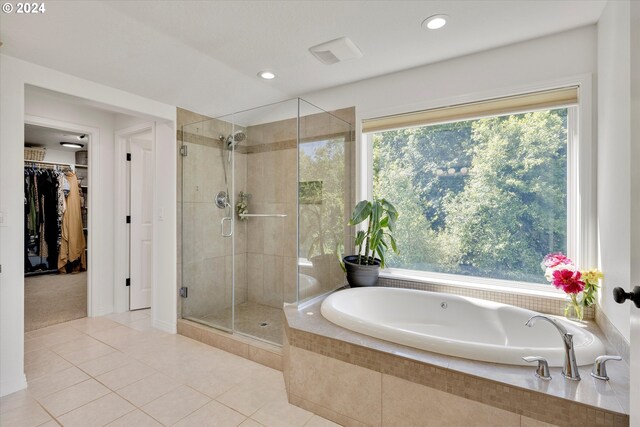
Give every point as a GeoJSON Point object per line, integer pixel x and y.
{"type": "Point", "coordinates": [122, 255]}
{"type": "Point", "coordinates": [93, 163]}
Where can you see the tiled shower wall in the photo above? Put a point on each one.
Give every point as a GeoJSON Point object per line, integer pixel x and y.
{"type": "Point", "coordinates": [272, 242]}
{"type": "Point", "coordinates": [272, 180]}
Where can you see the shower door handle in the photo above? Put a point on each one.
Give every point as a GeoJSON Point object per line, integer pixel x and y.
{"type": "Point", "coordinates": [222, 221]}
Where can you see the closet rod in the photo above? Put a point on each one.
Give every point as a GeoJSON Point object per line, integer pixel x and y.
{"type": "Point", "coordinates": [49, 163]}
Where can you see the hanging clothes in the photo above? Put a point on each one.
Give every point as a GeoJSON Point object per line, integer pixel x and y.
{"type": "Point", "coordinates": [50, 228]}
{"type": "Point", "coordinates": [72, 256]}
{"type": "Point", "coordinates": [41, 229]}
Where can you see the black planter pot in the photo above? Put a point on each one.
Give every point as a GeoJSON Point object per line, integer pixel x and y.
{"type": "Point", "coordinates": [359, 275]}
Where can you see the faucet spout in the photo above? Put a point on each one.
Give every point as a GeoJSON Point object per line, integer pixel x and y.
{"type": "Point", "coordinates": [570, 366]}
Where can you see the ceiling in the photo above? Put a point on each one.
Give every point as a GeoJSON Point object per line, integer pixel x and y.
{"type": "Point", "coordinates": [40, 136]}
{"type": "Point", "coordinates": [204, 55]}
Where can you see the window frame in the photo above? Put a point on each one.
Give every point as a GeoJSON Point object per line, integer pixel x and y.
{"type": "Point", "coordinates": [581, 189]}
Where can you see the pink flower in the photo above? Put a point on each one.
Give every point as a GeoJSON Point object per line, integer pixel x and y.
{"type": "Point", "coordinates": [568, 280]}
{"type": "Point", "coordinates": [555, 259]}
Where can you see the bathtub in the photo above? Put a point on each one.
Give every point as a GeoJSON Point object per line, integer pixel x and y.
{"type": "Point", "coordinates": [456, 326]}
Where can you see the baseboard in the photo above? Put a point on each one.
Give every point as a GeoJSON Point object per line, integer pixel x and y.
{"type": "Point", "coordinates": [170, 328]}
{"type": "Point", "coordinates": [17, 384]}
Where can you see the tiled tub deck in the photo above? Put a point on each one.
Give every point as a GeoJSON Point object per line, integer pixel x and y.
{"type": "Point", "coordinates": [356, 380]}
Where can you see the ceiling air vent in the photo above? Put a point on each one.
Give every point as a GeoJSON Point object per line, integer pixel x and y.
{"type": "Point", "coordinates": [338, 50]}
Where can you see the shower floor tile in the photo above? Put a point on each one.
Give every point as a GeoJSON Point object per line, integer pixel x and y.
{"type": "Point", "coordinates": [257, 320]}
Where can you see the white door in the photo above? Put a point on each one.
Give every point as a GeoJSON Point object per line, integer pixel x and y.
{"type": "Point", "coordinates": [141, 202]}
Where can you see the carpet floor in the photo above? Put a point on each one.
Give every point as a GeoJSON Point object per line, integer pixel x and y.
{"type": "Point", "coordinates": [54, 298]}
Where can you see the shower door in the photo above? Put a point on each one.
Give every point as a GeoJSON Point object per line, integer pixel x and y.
{"type": "Point", "coordinates": [207, 230]}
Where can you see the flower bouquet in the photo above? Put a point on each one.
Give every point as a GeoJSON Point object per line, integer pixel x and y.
{"type": "Point", "coordinates": [580, 286]}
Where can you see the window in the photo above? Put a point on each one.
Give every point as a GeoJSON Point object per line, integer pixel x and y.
{"type": "Point", "coordinates": [482, 189]}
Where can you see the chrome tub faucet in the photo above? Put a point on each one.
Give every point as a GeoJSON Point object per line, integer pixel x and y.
{"type": "Point", "coordinates": [570, 367]}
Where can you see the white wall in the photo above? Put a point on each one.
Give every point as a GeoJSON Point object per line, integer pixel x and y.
{"type": "Point", "coordinates": [562, 55]}
{"type": "Point", "coordinates": [14, 75]}
{"type": "Point", "coordinates": [614, 151]}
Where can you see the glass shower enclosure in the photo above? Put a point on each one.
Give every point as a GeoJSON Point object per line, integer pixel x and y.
{"type": "Point", "coordinates": [264, 205]}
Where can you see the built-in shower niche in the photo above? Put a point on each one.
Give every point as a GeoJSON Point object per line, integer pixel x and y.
{"type": "Point", "coordinates": [291, 162]}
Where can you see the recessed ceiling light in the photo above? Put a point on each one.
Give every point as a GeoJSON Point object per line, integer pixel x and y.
{"type": "Point", "coordinates": [71, 144]}
{"type": "Point", "coordinates": [434, 22]}
{"type": "Point", "coordinates": [267, 75]}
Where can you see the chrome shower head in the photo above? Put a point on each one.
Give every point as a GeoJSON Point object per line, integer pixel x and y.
{"type": "Point", "coordinates": [235, 138]}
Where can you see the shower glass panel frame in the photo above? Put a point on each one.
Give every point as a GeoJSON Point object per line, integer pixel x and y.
{"type": "Point", "coordinates": [242, 264]}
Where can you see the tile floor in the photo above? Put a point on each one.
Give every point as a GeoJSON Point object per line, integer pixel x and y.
{"type": "Point", "coordinates": [118, 371]}
{"type": "Point", "coordinates": [256, 320]}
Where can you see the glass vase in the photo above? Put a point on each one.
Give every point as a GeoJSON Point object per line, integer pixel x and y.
{"type": "Point", "coordinates": [574, 309]}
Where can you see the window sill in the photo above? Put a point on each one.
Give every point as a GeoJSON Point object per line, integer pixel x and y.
{"type": "Point", "coordinates": [480, 284]}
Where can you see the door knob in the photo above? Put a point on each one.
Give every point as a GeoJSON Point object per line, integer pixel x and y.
{"type": "Point", "coordinates": [620, 296]}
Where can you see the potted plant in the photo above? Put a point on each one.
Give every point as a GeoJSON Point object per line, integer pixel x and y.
{"type": "Point", "coordinates": [363, 268]}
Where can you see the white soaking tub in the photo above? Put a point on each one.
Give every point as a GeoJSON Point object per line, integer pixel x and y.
{"type": "Point", "coordinates": [455, 325]}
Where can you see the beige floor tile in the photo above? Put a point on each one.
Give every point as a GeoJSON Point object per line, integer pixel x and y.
{"type": "Point", "coordinates": [105, 363]}
{"type": "Point", "coordinates": [266, 375]}
{"type": "Point", "coordinates": [530, 422]}
{"type": "Point", "coordinates": [32, 345]}
{"type": "Point", "coordinates": [141, 325]}
{"type": "Point", "coordinates": [148, 389]}
{"type": "Point", "coordinates": [175, 405]}
{"type": "Point", "coordinates": [73, 397]}
{"type": "Point", "coordinates": [74, 345]}
{"type": "Point", "coordinates": [125, 375]}
{"type": "Point", "coordinates": [56, 338]}
{"type": "Point", "coordinates": [54, 364]}
{"type": "Point", "coordinates": [212, 414]}
{"type": "Point", "coordinates": [88, 353]}
{"type": "Point", "coordinates": [317, 421]}
{"type": "Point", "coordinates": [250, 396]}
{"type": "Point", "coordinates": [97, 413]}
{"type": "Point", "coordinates": [52, 383]}
{"type": "Point", "coordinates": [46, 331]}
{"type": "Point", "coordinates": [250, 423]}
{"type": "Point", "coordinates": [213, 384]}
{"type": "Point", "coordinates": [29, 415]}
{"type": "Point", "coordinates": [90, 325]}
{"type": "Point", "coordinates": [50, 423]}
{"type": "Point", "coordinates": [123, 337]}
{"type": "Point", "coordinates": [129, 316]}
{"type": "Point", "coordinates": [39, 356]}
{"type": "Point", "coordinates": [136, 418]}
{"type": "Point", "coordinates": [280, 413]}
{"type": "Point", "coordinates": [15, 400]}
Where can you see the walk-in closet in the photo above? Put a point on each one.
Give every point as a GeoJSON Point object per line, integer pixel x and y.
{"type": "Point", "coordinates": [56, 204]}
